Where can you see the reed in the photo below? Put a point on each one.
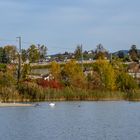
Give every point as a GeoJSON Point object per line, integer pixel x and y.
{"type": "Point", "coordinates": [31, 92]}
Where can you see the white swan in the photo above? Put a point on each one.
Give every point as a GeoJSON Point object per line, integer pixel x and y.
{"type": "Point", "coordinates": [52, 104]}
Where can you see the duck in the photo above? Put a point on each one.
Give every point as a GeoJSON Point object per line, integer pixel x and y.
{"type": "Point", "coordinates": [37, 104]}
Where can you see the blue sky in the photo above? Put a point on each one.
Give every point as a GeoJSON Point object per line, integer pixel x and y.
{"type": "Point", "coordinates": [61, 24]}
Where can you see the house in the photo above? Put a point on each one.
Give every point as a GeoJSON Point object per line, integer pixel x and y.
{"type": "Point", "coordinates": [48, 77]}
{"type": "Point", "coordinates": [134, 70]}
{"type": "Point", "coordinates": [88, 71]}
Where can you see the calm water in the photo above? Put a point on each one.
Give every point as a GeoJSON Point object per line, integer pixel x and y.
{"type": "Point", "coordinates": [72, 121]}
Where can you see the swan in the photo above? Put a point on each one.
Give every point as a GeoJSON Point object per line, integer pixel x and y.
{"type": "Point", "coordinates": [52, 104]}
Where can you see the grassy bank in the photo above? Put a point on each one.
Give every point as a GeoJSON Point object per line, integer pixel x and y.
{"type": "Point", "coordinates": [31, 92]}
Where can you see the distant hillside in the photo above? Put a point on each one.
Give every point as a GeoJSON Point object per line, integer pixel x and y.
{"type": "Point", "coordinates": [124, 52]}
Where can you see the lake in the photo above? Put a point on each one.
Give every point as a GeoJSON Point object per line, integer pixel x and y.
{"type": "Point", "coordinates": [118, 120]}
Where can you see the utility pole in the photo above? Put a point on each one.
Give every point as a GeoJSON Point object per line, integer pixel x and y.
{"type": "Point", "coordinates": [82, 57]}
{"type": "Point", "coordinates": [19, 59]}
{"type": "Point", "coordinates": [110, 57]}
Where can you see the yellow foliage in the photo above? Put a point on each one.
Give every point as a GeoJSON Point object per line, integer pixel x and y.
{"type": "Point", "coordinates": [55, 70]}
{"type": "Point", "coordinates": [74, 73]}
{"type": "Point", "coordinates": [107, 74]}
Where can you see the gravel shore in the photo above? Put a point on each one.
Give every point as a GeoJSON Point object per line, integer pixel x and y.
{"type": "Point", "coordinates": [15, 105]}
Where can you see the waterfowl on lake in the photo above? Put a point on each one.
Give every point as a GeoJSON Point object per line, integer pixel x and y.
{"type": "Point", "coordinates": [37, 104]}
{"type": "Point", "coordinates": [51, 104]}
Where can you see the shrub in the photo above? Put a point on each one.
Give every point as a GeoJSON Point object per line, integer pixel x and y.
{"type": "Point", "coordinates": [125, 82]}
{"type": "Point", "coordinates": [31, 91]}
{"type": "Point", "coordinates": [8, 94]}
{"type": "Point", "coordinates": [49, 84]}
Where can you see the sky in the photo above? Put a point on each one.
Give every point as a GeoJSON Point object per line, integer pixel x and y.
{"type": "Point", "coordinates": [61, 25]}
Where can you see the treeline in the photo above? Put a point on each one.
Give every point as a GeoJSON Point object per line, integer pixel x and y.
{"type": "Point", "coordinates": [132, 54]}
{"type": "Point", "coordinates": [38, 53]}
{"type": "Point", "coordinates": [10, 54]}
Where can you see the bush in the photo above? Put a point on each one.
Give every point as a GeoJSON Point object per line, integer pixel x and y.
{"type": "Point", "coordinates": [8, 94]}
{"type": "Point", "coordinates": [31, 91]}
{"type": "Point", "coordinates": [49, 84]}
{"type": "Point", "coordinates": [125, 82]}
{"type": "Point", "coordinates": [3, 67]}
{"type": "Point", "coordinates": [6, 79]}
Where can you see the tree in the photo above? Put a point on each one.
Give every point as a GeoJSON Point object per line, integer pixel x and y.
{"type": "Point", "coordinates": [118, 65]}
{"type": "Point", "coordinates": [33, 54]}
{"type": "Point", "coordinates": [42, 52]}
{"type": "Point", "coordinates": [1, 54]}
{"type": "Point", "coordinates": [133, 52]}
{"type": "Point", "coordinates": [100, 52]}
{"type": "Point", "coordinates": [78, 52]}
{"type": "Point", "coordinates": [73, 74]}
{"type": "Point", "coordinates": [55, 70]}
{"type": "Point", "coordinates": [7, 77]}
{"type": "Point", "coordinates": [94, 80]}
{"type": "Point", "coordinates": [100, 55]}
{"type": "Point", "coordinates": [121, 54]}
{"type": "Point", "coordinates": [24, 55]}
{"type": "Point", "coordinates": [107, 74]}
{"type": "Point", "coordinates": [10, 52]}
{"type": "Point", "coordinates": [125, 82]}
{"type": "Point", "coordinates": [26, 71]}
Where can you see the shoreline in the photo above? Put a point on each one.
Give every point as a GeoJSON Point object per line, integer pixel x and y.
{"type": "Point", "coordinates": [28, 102]}
{"type": "Point", "coordinates": [32, 104]}
{"type": "Point", "coordinates": [15, 105]}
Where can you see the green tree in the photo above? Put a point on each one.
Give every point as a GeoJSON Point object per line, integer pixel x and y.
{"type": "Point", "coordinates": [121, 54]}
{"type": "Point", "coordinates": [118, 65]}
{"type": "Point", "coordinates": [26, 71]}
{"type": "Point", "coordinates": [125, 82]}
{"type": "Point", "coordinates": [100, 52]}
{"type": "Point", "coordinates": [10, 52]}
{"type": "Point", "coordinates": [33, 53]}
{"type": "Point", "coordinates": [24, 55]}
{"type": "Point", "coordinates": [78, 52]}
{"type": "Point", "coordinates": [1, 54]}
{"type": "Point", "coordinates": [7, 78]}
{"type": "Point", "coordinates": [3, 67]}
{"type": "Point", "coordinates": [42, 52]}
{"type": "Point", "coordinates": [133, 52]}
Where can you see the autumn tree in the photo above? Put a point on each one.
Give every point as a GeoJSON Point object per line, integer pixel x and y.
{"type": "Point", "coordinates": [55, 70]}
{"type": "Point", "coordinates": [73, 74]}
{"type": "Point", "coordinates": [25, 71]}
{"type": "Point", "coordinates": [107, 74]}
{"type": "Point", "coordinates": [118, 65]}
